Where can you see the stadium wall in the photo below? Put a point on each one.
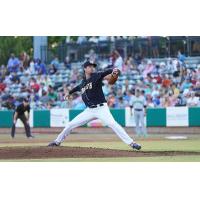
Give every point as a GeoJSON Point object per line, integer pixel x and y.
{"type": "Point", "coordinates": [156, 117]}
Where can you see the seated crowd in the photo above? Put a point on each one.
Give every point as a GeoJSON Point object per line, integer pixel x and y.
{"type": "Point", "coordinates": [164, 84]}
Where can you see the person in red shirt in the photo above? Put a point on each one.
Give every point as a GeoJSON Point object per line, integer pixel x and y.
{"type": "Point", "coordinates": [166, 82]}
{"type": "Point", "coordinates": [158, 79]}
{"type": "Point", "coordinates": [2, 86]}
{"type": "Point", "coordinates": [34, 85]}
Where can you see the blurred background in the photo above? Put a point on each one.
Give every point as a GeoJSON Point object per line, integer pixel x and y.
{"type": "Point", "coordinates": [165, 68]}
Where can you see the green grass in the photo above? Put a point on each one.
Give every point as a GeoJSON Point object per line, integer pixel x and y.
{"type": "Point", "coordinates": [163, 145]}
{"type": "Point", "coordinates": [128, 159]}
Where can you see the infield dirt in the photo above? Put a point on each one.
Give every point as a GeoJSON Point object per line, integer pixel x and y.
{"type": "Point", "coordinates": [80, 152]}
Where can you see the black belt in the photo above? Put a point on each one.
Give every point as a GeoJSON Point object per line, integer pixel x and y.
{"type": "Point", "coordinates": [138, 109]}
{"type": "Point", "coordinates": [95, 106]}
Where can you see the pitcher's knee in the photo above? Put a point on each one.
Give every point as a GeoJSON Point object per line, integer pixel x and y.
{"type": "Point", "coordinates": [69, 126]}
{"type": "Point", "coordinates": [112, 124]}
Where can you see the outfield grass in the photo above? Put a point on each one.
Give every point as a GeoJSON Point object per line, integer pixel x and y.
{"type": "Point", "coordinates": [128, 159]}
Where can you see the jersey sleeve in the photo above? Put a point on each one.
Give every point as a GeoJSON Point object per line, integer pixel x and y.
{"type": "Point", "coordinates": [104, 73]}
{"type": "Point", "coordinates": [76, 89]}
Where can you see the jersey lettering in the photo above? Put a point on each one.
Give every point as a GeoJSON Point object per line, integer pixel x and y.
{"type": "Point", "coordinates": [88, 86]}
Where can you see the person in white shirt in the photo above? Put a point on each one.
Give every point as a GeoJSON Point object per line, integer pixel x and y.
{"type": "Point", "coordinates": [118, 63]}
{"type": "Point", "coordinates": [155, 93]}
{"type": "Point", "coordinates": [138, 104]}
{"type": "Point", "coordinates": [193, 101]}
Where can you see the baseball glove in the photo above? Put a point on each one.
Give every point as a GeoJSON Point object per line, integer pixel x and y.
{"type": "Point", "coordinates": [114, 76]}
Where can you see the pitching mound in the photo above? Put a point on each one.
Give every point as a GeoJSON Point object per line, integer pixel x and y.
{"type": "Point", "coordinates": [79, 152]}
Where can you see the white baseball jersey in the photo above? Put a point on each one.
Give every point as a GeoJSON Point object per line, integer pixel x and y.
{"type": "Point", "coordinates": [137, 102]}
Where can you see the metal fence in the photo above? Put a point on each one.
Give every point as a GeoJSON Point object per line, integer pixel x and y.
{"type": "Point", "coordinates": [148, 47]}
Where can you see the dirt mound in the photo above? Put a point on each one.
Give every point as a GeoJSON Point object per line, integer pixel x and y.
{"type": "Point", "coordinates": [79, 152]}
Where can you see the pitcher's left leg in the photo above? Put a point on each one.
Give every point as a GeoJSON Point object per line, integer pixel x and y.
{"type": "Point", "coordinates": [104, 115]}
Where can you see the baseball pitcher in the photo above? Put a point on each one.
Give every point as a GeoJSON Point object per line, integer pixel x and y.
{"type": "Point", "coordinates": [94, 99]}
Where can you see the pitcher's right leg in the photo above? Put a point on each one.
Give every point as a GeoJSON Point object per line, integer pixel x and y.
{"type": "Point", "coordinates": [79, 120]}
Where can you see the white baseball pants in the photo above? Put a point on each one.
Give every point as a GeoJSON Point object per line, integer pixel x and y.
{"type": "Point", "coordinates": [102, 113]}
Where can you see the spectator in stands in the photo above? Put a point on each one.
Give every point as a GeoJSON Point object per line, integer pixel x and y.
{"type": "Point", "coordinates": [193, 101]}
{"type": "Point", "coordinates": [166, 81]}
{"type": "Point", "coordinates": [120, 103]}
{"type": "Point", "coordinates": [166, 101]}
{"type": "Point", "coordinates": [67, 63]}
{"type": "Point", "coordinates": [127, 97]}
{"type": "Point", "coordinates": [163, 69]}
{"type": "Point", "coordinates": [119, 93]}
{"type": "Point", "coordinates": [111, 101]}
{"type": "Point", "coordinates": [175, 90]}
{"type": "Point", "coordinates": [128, 64]}
{"type": "Point", "coordinates": [172, 98]}
{"type": "Point", "coordinates": [52, 94]}
{"type": "Point", "coordinates": [55, 63]}
{"type": "Point", "coordinates": [52, 70]}
{"type": "Point", "coordinates": [171, 68]}
{"type": "Point", "coordinates": [77, 103]}
{"type": "Point", "coordinates": [186, 84]}
{"type": "Point", "coordinates": [126, 86]}
{"type": "Point", "coordinates": [2, 85]}
{"type": "Point", "coordinates": [14, 77]}
{"type": "Point", "coordinates": [197, 88]}
{"type": "Point", "coordinates": [156, 101]}
{"type": "Point", "coordinates": [148, 68]}
{"type": "Point", "coordinates": [25, 78]}
{"type": "Point", "coordinates": [31, 68]}
{"type": "Point", "coordinates": [141, 66]}
{"type": "Point", "coordinates": [198, 71]}
{"type": "Point", "coordinates": [42, 89]}
{"type": "Point", "coordinates": [149, 102]}
{"type": "Point", "coordinates": [181, 57]}
{"type": "Point", "coordinates": [42, 68]}
{"type": "Point", "coordinates": [148, 89]}
{"type": "Point", "coordinates": [34, 85]}
{"type": "Point", "coordinates": [138, 58]}
{"type": "Point", "coordinates": [24, 59]}
{"type": "Point", "coordinates": [118, 61]}
{"type": "Point", "coordinates": [155, 92]}
{"type": "Point", "coordinates": [44, 98]}
{"type": "Point", "coordinates": [149, 80]}
{"type": "Point", "coordinates": [13, 63]}
{"type": "Point", "coordinates": [24, 91]}
{"type": "Point", "coordinates": [47, 81]}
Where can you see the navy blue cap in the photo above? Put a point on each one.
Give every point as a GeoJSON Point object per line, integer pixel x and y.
{"type": "Point", "coordinates": [88, 63]}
